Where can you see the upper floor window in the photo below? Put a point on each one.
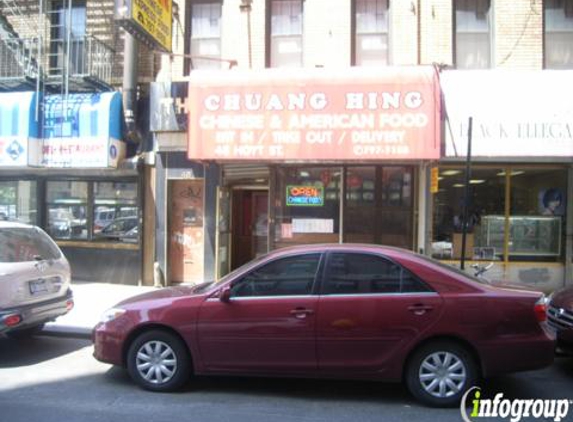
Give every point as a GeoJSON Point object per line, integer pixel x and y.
{"type": "Point", "coordinates": [558, 35]}
{"type": "Point", "coordinates": [205, 45]}
{"type": "Point", "coordinates": [472, 34]}
{"type": "Point", "coordinates": [67, 38]}
{"type": "Point", "coordinates": [286, 33]}
{"type": "Point", "coordinates": [371, 32]}
{"type": "Point", "coordinates": [283, 277]}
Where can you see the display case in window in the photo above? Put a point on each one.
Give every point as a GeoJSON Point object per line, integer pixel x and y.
{"type": "Point", "coordinates": [536, 236]}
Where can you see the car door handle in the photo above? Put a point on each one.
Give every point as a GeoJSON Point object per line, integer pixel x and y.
{"type": "Point", "coordinates": [420, 308]}
{"type": "Point", "coordinates": [301, 313]}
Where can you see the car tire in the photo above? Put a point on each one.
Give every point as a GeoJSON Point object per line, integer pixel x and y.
{"type": "Point", "coordinates": [26, 332]}
{"type": "Point", "coordinates": [439, 373]}
{"type": "Point", "coordinates": [158, 361]}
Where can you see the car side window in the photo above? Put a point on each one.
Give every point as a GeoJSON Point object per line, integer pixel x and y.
{"type": "Point", "coordinates": [354, 273]}
{"type": "Point", "coordinates": [283, 277]}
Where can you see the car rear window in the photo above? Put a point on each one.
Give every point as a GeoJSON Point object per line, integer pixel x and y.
{"type": "Point", "coordinates": [21, 244]}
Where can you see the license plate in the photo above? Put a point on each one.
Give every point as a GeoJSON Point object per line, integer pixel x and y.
{"type": "Point", "coordinates": [38, 287]}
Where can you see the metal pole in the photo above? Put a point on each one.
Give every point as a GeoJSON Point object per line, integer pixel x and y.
{"type": "Point", "coordinates": [130, 58]}
{"type": "Point", "coordinates": [466, 195]}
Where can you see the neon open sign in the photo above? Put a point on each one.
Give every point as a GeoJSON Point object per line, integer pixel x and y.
{"type": "Point", "coordinates": [304, 196]}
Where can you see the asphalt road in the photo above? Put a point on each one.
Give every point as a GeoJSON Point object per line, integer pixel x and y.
{"type": "Point", "coordinates": [51, 379]}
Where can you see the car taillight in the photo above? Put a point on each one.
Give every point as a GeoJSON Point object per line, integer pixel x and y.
{"type": "Point", "coordinates": [12, 320]}
{"type": "Point", "coordinates": [540, 309]}
{"type": "Point", "coordinates": [69, 305]}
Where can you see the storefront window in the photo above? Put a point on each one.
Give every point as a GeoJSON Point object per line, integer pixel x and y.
{"type": "Point", "coordinates": [378, 206]}
{"type": "Point", "coordinates": [67, 209]}
{"type": "Point", "coordinates": [18, 201]}
{"type": "Point", "coordinates": [537, 222]}
{"type": "Point", "coordinates": [307, 205]}
{"type": "Point", "coordinates": [115, 211]}
{"type": "Point", "coordinates": [533, 227]}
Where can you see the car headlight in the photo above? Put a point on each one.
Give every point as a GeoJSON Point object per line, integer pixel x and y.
{"type": "Point", "coordinates": [111, 314]}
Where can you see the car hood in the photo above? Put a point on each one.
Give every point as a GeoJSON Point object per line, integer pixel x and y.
{"type": "Point", "coordinates": [165, 293]}
{"type": "Point", "coordinates": [563, 298]}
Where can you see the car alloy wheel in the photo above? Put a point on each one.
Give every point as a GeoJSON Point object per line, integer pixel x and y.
{"type": "Point", "coordinates": [442, 374]}
{"type": "Point", "coordinates": [439, 373]}
{"type": "Point", "coordinates": [158, 361]}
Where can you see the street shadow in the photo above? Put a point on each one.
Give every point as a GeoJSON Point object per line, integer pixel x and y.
{"type": "Point", "coordinates": [315, 390]}
{"type": "Point", "coordinates": [32, 350]}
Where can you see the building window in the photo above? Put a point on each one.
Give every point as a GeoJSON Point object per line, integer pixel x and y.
{"type": "Point", "coordinates": [18, 201]}
{"type": "Point", "coordinates": [286, 33]}
{"type": "Point", "coordinates": [531, 228]}
{"type": "Point", "coordinates": [67, 204]}
{"type": "Point", "coordinates": [205, 43]}
{"type": "Point", "coordinates": [64, 21]}
{"type": "Point", "coordinates": [558, 35]}
{"type": "Point", "coordinates": [94, 211]}
{"type": "Point", "coordinates": [371, 32]}
{"type": "Point", "coordinates": [472, 34]}
{"type": "Point", "coordinates": [115, 211]}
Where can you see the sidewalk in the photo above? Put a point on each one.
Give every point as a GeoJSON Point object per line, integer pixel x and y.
{"type": "Point", "coordinates": [90, 301]}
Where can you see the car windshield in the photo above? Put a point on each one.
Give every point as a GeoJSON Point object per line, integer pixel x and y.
{"type": "Point", "coordinates": [22, 244]}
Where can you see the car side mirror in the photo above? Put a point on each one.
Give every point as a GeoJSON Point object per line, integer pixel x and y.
{"type": "Point", "coordinates": [225, 295]}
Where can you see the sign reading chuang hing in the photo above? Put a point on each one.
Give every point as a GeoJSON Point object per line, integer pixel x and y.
{"type": "Point", "coordinates": [148, 20]}
{"type": "Point", "coordinates": [315, 114]}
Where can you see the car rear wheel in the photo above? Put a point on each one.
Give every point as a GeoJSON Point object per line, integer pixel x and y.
{"type": "Point", "coordinates": [439, 373]}
{"type": "Point", "coordinates": [158, 361]}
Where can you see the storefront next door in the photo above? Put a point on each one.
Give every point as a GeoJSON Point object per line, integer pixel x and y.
{"type": "Point", "coordinates": [249, 225]}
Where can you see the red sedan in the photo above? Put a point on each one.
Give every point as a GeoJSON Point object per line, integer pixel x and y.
{"type": "Point", "coordinates": [344, 311]}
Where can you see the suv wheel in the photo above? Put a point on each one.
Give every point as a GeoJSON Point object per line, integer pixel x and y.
{"type": "Point", "coordinates": [158, 361]}
{"type": "Point", "coordinates": [439, 373]}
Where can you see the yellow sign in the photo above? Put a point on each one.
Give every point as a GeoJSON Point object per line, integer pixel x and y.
{"type": "Point", "coordinates": [434, 180]}
{"type": "Point", "coordinates": [154, 16]}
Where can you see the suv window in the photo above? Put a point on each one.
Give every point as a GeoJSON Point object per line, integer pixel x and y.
{"type": "Point", "coordinates": [353, 273]}
{"type": "Point", "coordinates": [282, 277]}
{"type": "Point", "coordinates": [21, 244]}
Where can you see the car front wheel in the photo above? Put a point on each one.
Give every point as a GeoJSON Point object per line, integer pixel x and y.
{"type": "Point", "coordinates": [439, 373]}
{"type": "Point", "coordinates": [158, 361]}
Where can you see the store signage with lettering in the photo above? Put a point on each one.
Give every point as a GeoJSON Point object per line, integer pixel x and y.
{"type": "Point", "coordinates": [82, 152]}
{"type": "Point", "coordinates": [358, 114]}
{"type": "Point", "coordinates": [515, 114]}
{"type": "Point", "coordinates": [148, 20]}
{"type": "Point", "coordinates": [304, 196]}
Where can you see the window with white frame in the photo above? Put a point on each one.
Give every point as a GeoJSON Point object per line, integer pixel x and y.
{"type": "Point", "coordinates": [371, 32]}
{"type": "Point", "coordinates": [558, 35]}
{"type": "Point", "coordinates": [206, 34]}
{"type": "Point", "coordinates": [472, 34]}
{"type": "Point", "coordinates": [286, 33]}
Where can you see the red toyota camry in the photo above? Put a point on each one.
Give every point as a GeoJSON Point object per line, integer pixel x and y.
{"type": "Point", "coordinates": [345, 311]}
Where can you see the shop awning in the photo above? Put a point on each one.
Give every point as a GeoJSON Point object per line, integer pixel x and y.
{"type": "Point", "coordinates": [83, 131]}
{"type": "Point", "coordinates": [516, 113]}
{"type": "Point", "coordinates": [349, 114]}
{"type": "Point", "coordinates": [18, 127]}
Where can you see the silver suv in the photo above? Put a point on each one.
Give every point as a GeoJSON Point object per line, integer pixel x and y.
{"type": "Point", "coordinates": [34, 279]}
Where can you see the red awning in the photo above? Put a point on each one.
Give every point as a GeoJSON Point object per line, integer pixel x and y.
{"type": "Point", "coordinates": [352, 114]}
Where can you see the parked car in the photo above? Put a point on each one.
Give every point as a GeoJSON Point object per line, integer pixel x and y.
{"type": "Point", "coordinates": [34, 279]}
{"type": "Point", "coordinates": [123, 229]}
{"type": "Point", "coordinates": [344, 311]}
{"type": "Point", "coordinates": [560, 317]}
{"type": "Point", "coordinates": [63, 224]}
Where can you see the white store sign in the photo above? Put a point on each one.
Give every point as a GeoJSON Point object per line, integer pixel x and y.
{"type": "Point", "coordinates": [86, 152]}
{"type": "Point", "coordinates": [515, 113]}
